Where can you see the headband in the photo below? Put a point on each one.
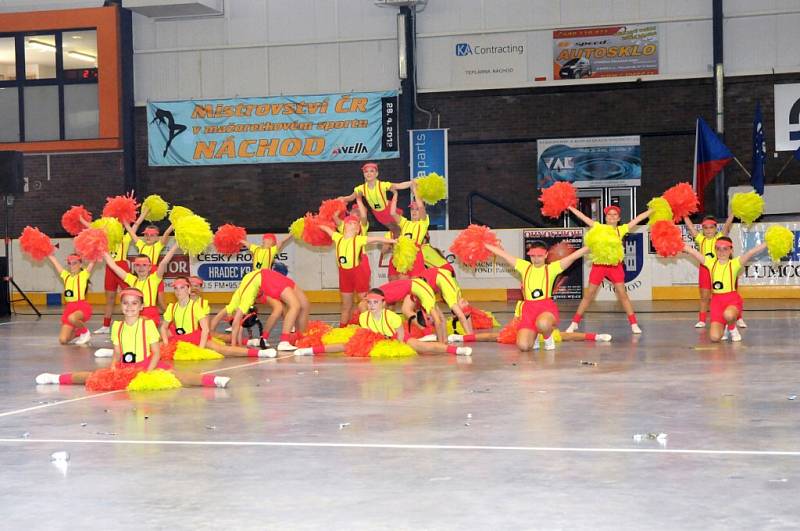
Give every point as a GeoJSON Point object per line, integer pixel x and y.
{"type": "Point", "coordinates": [537, 251]}
{"type": "Point", "coordinates": [374, 297]}
{"type": "Point", "coordinates": [609, 208]}
{"type": "Point", "coordinates": [73, 256]}
{"type": "Point", "coordinates": [131, 291]}
{"type": "Point", "coordinates": [180, 282]}
{"type": "Point", "coordinates": [141, 260]}
{"type": "Point", "coordinates": [195, 281]}
{"type": "Point", "coordinates": [269, 235]}
{"type": "Point", "coordinates": [352, 219]}
{"type": "Point", "coordinates": [709, 223]}
{"type": "Point", "coordinates": [151, 231]}
{"type": "Point", "coordinates": [369, 165]}
{"type": "Point", "coordinates": [723, 245]}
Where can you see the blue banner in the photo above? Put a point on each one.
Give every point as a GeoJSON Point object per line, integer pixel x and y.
{"type": "Point", "coordinates": [592, 162]}
{"type": "Point", "coordinates": [319, 128]}
{"type": "Point", "coordinates": [429, 155]}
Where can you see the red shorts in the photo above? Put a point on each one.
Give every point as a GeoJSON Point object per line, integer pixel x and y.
{"type": "Point", "coordinates": [112, 281]}
{"type": "Point", "coordinates": [152, 313]}
{"type": "Point", "coordinates": [273, 283]}
{"type": "Point", "coordinates": [355, 280]}
{"type": "Point", "coordinates": [145, 364]}
{"type": "Point", "coordinates": [76, 306]}
{"type": "Point", "coordinates": [192, 337]}
{"type": "Point", "coordinates": [396, 290]}
{"type": "Point", "coordinates": [704, 278]}
{"type": "Point", "coordinates": [384, 217]}
{"type": "Point", "coordinates": [721, 301]}
{"type": "Point", "coordinates": [614, 273]}
{"type": "Point", "coordinates": [531, 310]}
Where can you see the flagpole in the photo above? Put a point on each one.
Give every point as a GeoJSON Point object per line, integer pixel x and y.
{"type": "Point", "coordinates": [742, 167]}
{"type": "Point", "coordinates": [785, 166]}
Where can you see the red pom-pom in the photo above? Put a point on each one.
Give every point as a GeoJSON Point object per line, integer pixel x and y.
{"type": "Point", "coordinates": [122, 207]}
{"type": "Point", "coordinates": [480, 320]}
{"type": "Point", "coordinates": [361, 343]}
{"type": "Point", "coordinates": [508, 335]}
{"type": "Point", "coordinates": [92, 244]}
{"type": "Point", "coordinates": [71, 220]}
{"type": "Point", "coordinates": [469, 245]}
{"type": "Point", "coordinates": [35, 243]}
{"type": "Point", "coordinates": [557, 198]}
{"type": "Point", "coordinates": [331, 207]}
{"type": "Point", "coordinates": [682, 200]}
{"type": "Point", "coordinates": [666, 238]}
{"type": "Point", "coordinates": [111, 379]}
{"type": "Point", "coordinates": [312, 337]}
{"type": "Point", "coordinates": [313, 235]}
{"type": "Point", "coordinates": [228, 238]}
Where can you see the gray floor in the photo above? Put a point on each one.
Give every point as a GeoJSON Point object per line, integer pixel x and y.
{"type": "Point", "coordinates": [504, 440]}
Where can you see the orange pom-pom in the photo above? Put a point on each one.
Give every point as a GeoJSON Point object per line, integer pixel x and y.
{"type": "Point", "coordinates": [111, 379]}
{"type": "Point", "coordinates": [682, 200]}
{"type": "Point", "coordinates": [92, 244]}
{"type": "Point", "coordinates": [480, 320]}
{"type": "Point", "coordinates": [122, 207]}
{"type": "Point", "coordinates": [508, 335]}
{"type": "Point", "coordinates": [168, 351]}
{"type": "Point", "coordinates": [312, 337]}
{"type": "Point", "coordinates": [361, 343]}
{"type": "Point", "coordinates": [331, 207]}
{"type": "Point", "coordinates": [228, 238]}
{"type": "Point", "coordinates": [313, 235]}
{"type": "Point", "coordinates": [469, 245]}
{"type": "Point", "coordinates": [35, 243]}
{"type": "Point", "coordinates": [557, 198]}
{"type": "Point", "coordinates": [71, 220]}
{"type": "Point", "coordinates": [666, 238]}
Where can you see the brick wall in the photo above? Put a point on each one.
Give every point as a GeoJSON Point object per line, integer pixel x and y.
{"type": "Point", "coordinates": [493, 150]}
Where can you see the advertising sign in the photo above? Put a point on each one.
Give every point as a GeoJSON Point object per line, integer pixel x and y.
{"type": "Point", "coordinates": [489, 60]}
{"type": "Point", "coordinates": [320, 128]}
{"type": "Point", "coordinates": [787, 117]}
{"type": "Point", "coordinates": [762, 271]}
{"type": "Point", "coordinates": [429, 155]}
{"type": "Point", "coordinates": [605, 51]}
{"type": "Point", "coordinates": [560, 242]}
{"type": "Point", "coordinates": [591, 162]}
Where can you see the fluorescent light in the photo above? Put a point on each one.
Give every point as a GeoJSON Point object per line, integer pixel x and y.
{"type": "Point", "coordinates": [41, 44]}
{"type": "Point", "coordinates": [82, 56]}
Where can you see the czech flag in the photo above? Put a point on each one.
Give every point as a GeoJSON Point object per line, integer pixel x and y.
{"type": "Point", "coordinates": [710, 156]}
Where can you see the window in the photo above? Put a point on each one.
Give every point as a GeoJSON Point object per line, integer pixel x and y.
{"type": "Point", "coordinates": [8, 59]}
{"type": "Point", "coordinates": [40, 57]}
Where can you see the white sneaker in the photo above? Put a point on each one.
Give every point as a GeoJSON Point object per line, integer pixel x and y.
{"type": "Point", "coordinates": [104, 353]}
{"type": "Point", "coordinates": [83, 338]}
{"type": "Point", "coordinates": [259, 342]}
{"type": "Point", "coordinates": [735, 335]}
{"type": "Point", "coordinates": [305, 351]}
{"type": "Point", "coordinates": [429, 338]}
{"type": "Point", "coordinates": [267, 353]}
{"type": "Point", "coordinates": [464, 351]}
{"type": "Point", "coordinates": [103, 330]}
{"type": "Point", "coordinates": [635, 329]}
{"type": "Point", "coordinates": [602, 337]}
{"type": "Point", "coordinates": [221, 381]}
{"type": "Point", "coordinates": [573, 326]}
{"type": "Point", "coordinates": [725, 334]}
{"type": "Point", "coordinates": [700, 324]}
{"type": "Point", "coordinates": [740, 323]}
{"type": "Point", "coordinates": [455, 338]}
{"type": "Point", "coordinates": [228, 330]}
{"type": "Point", "coordinates": [285, 346]}
{"type": "Point", "coordinates": [550, 343]}
{"type": "Point", "coordinates": [536, 343]}
{"type": "Point", "coordinates": [47, 378]}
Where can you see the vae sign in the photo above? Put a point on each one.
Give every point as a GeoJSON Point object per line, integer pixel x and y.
{"type": "Point", "coordinates": [429, 155]}
{"type": "Point", "coordinates": [319, 128]}
{"type": "Point", "coordinates": [592, 162]}
{"type": "Point", "coordinates": [605, 51]}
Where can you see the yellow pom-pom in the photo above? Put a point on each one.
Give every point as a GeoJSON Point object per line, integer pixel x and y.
{"type": "Point", "coordinates": [748, 207]}
{"type": "Point", "coordinates": [190, 352]}
{"type": "Point", "coordinates": [661, 210]}
{"type": "Point", "coordinates": [431, 188]}
{"type": "Point", "coordinates": [339, 336]}
{"type": "Point", "coordinates": [404, 254]}
{"type": "Point", "coordinates": [155, 380]}
{"type": "Point", "coordinates": [604, 244]}
{"type": "Point", "coordinates": [156, 208]}
{"type": "Point", "coordinates": [113, 229]}
{"type": "Point", "coordinates": [780, 242]}
{"type": "Point", "coordinates": [193, 234]}
{"type": "Point", "coordinates": [177, 213]}
{"type": "Point", "coordinates": [296, 229]}
{"type": "Point", "coordinates": [391, 348]}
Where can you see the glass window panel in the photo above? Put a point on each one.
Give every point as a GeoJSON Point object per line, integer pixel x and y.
{"type": "Point", "coordinates": [79, 49]}
{"type": "Point", "coordinates": [9, 110]}
{"type": "Point", "coordinates": [81, 113]}
{"type": "Point", "coordinates": [8, 59]}
{"type": "Point", "coordinates": [41, 113]}
{"type": "Point", "coordinates": [40, 57]}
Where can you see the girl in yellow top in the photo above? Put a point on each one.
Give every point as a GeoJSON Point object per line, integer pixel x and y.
{"type": "Point", "coordinates": [705, 241]}
{"type": "Point", "coordinates": [150, 244]}
{"type": "Point", "coordinates": [433, 257]}
{"type": "Point", "coordinates": [613, 272]}
{"type": "Point", "coordinates": [354, 272]}
{"type": "Point", "coordinates": [726, 303]}
{"type": "Point", "coordinates": [77, 311]}
{"type": "Point", "coordinates": [382, 321]}
{"type": "Point", "coordinates": [375, 193]}
{"type": "Point", "coordinates": [187, 320]}
{"type": "Point", "coordinates": [539, 311]}
{"type": "Point", "coordinates": [415, 229]}
{"type": "Point", "coordinates": [137, 346]}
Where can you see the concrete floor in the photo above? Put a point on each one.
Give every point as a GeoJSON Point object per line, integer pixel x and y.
{"type": "Point", "coordinates": [504, 440]}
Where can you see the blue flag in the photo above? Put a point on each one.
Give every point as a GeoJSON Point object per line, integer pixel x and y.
{"type": "Point", "coordinates": [797, 153]}
{"type": "Point", "coordinates": [759, 152]}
